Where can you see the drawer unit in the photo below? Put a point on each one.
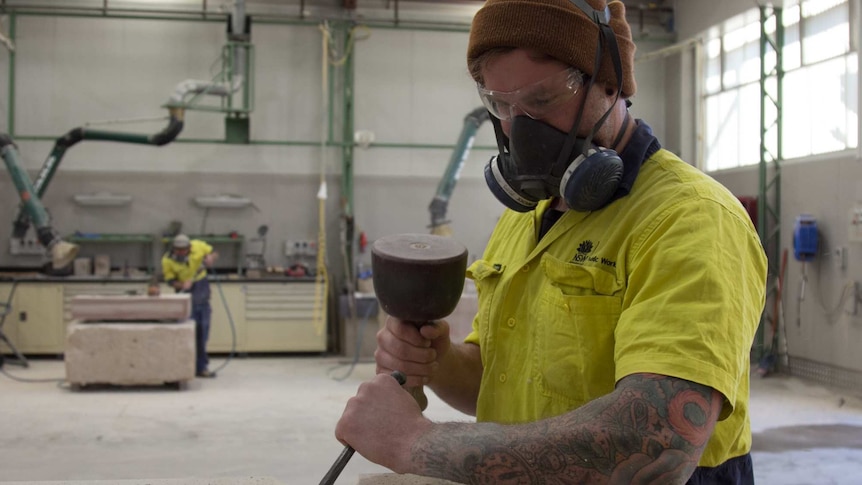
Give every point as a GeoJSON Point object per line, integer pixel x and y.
{"type": "Point", "coordinates": [285, 317]}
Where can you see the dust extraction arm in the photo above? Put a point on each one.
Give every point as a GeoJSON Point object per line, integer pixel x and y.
{"type": "Point", "coordinates": [440, 202]}
{"type": "Point", "coordinates": [62, 253]}
{"type": "Point", "coordinates": [49, 168]}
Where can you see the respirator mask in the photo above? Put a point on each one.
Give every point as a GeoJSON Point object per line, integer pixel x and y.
{"type": "Point", "coordinates": [537, 161]}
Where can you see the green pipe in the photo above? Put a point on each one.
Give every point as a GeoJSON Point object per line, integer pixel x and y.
{"type": "Point", "coordinates": [168, 134]}
{"type": "Point", "coordinates": [419, 146]}
{"type": "Point", "coordinates": [249, 81]}
{"type": "Point", "coordinates": [331, 107]}
{"type": "Point", "coordinates": [347, 154]}
{"type": "Point", "coordinates": [440, 202]}
{"type": "Point", "coordinates": [769, 192]}
{"type": "Point", "coordinates": [209, 140]}
{"type": "Point", "coordinates": [10, 123]}
{"type": "Point", "coordinates": [442, 27]}
{"type": "Point", "coordinates": [49, 168]}
{"type": "Point", "coordinates": [403, 146]}
{"type": "Point", "coordinates": [31, 13]}
{"type": "Point", "coordinates": [29, 200]}
{"type": "Point", "coordinates": [461, 28]}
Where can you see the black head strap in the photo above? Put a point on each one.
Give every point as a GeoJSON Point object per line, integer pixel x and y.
{"type": "Point", "coordinates": [599, 16]}
{"type": "Point", "coordinates": [608, 39]}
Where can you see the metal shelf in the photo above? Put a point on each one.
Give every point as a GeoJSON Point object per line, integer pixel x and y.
{"type": "Point", "coordinates": [146, 240]}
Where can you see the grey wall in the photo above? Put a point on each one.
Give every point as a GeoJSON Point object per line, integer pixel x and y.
{"type": "Point", "coordinates": [818, 327]}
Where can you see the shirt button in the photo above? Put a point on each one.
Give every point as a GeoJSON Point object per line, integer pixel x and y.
{"type": "Point", "coordinates": [502, 377]}
{"type": "Point", "coordinates": [511, 322]}
{"type": "Point", "coordinates": [566, 306]}
{"type": "Point", "coordinates": [526, 268]}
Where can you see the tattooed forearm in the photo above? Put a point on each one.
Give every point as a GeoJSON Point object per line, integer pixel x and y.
{"type": "Point", "coordinates": [651, 429]}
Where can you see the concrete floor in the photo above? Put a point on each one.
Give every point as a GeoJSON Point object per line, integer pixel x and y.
{"type": "Point", "coordinates": [273, 417]}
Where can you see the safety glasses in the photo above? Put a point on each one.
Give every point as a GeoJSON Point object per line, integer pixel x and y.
{"type": "Point", "coordinates": [536, 100]}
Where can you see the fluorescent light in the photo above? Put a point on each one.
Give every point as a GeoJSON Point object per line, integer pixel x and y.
{"type": "Point", "coordinates": [102, 199]}
{"type": "Point", "coordinates": [222, 202]}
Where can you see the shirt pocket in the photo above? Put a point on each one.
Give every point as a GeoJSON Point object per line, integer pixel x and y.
{"type": "Point", "coordinates": [486, 276]}
{"type": "Point", "coordinates": [578, 310]}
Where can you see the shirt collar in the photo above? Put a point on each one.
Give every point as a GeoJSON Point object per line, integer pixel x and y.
{"type": "Point", "coordinates": [642, 145]}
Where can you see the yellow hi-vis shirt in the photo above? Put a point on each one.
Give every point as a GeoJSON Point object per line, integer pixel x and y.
{"type": "Point", "coordinates": [191, 270]}
{"type": "Point", "coordinates": [668, 280]}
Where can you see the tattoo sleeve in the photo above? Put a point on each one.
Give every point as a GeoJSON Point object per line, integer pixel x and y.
{"type": "Point", "coordinates": [651, 429]}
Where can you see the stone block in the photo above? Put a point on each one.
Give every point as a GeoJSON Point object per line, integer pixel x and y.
{"type": "Point", "coordinates": [176, 308]}
{"type": "Point", "coordinates": [130, 353]}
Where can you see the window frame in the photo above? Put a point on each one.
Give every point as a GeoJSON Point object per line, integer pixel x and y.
{"type": "Point", "coordinates": [741, 22]}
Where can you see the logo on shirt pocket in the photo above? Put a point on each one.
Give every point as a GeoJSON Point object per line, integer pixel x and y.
{"type": "Point", "coordinates": [583, 255]}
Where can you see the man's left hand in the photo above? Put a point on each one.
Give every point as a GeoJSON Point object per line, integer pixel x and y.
{"type": "Point", "coordinates": [382, 422]}
{"type": "Point", "coordinates": [209, 259]}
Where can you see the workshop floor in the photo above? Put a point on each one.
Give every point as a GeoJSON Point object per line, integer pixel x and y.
{"type": "Point", "coordinates": [274, 417]}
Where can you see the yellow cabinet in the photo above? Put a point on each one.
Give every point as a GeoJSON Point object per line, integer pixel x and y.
{"type": "Point", "coordinates": [267, 317]}
{"type": "Point", "coordinates": [6, 309]}
{"type": "Point", "coordinates": [285, 317]}
{"type": "Point", "coordinates": [35, 320]}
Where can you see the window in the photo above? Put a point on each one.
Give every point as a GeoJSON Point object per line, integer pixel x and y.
{"type": "Point", "coordinates": [819, 105]}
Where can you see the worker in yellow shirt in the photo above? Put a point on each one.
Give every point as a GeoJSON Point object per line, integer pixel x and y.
{"type": "Point", "coordinates": [185, 269]}
{"type": "Point", "coordinates": [619, 293]}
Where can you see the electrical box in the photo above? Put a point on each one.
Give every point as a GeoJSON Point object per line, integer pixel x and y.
{"type": "Point", "coordinates": [854, 230]}
{"type": "Point", "coordinates": [300, 247]}
{"type": "Point", "coordinates": [28, 246]}
{"type": "Point", "coordinates": [805, 238]}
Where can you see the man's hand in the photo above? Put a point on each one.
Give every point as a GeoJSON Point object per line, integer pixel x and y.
{"type": "Point", "coordinates": [187, 285]}
{"type": "Point", "coordinates": [381, 422]}
{"type": "Point", "coordinates": [210, 259]}
{"type": "Point", "coordinates": [415, 351]}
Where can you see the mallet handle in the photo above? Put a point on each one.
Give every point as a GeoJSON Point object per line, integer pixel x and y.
{"type": "Point", "coordinates": [418, 392]}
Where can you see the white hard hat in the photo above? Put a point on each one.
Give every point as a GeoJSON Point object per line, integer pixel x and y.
{"type": "Point", "coordinates": [182, 241]}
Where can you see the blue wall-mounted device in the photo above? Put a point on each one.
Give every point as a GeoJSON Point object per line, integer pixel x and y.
{"type": "Point", "coordinates": [805, 238]}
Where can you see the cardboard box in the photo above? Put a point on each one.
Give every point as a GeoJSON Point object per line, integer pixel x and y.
{"type": "Point", "coordinates": [82, 267]}
{"type": "Point", "coordinates": [102, 265]}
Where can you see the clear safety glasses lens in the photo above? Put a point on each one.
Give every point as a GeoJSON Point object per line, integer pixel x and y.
{"type": "Point", "coordinates": [536, 100]}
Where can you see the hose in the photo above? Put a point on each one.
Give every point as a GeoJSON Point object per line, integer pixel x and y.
{"type": "Point", "coordinates": [224, 364]}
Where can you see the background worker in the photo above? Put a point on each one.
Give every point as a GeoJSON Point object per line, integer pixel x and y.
{"type": "Point", "coordinates": [618, 296]}
{"type": "Point", "coordinates": [185, 269]}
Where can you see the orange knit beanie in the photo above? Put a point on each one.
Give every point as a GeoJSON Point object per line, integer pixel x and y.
{"type": "Point", "coordinates": [557, 28]}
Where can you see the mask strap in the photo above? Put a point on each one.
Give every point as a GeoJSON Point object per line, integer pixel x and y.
{"type": "Point", "coordinates": [607, 36]}
{"type": "Point", "coordinates": [563, 159]}
{"type": "Point", "coordinates": [502, 141]}
{"type": "Point", "coordinates": [622, 132]}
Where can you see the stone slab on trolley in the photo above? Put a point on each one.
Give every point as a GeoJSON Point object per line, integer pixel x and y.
{"type": "Point", "coordinates": [97, 308]}
{"type": "Point", "coordinates": [123, 353]}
